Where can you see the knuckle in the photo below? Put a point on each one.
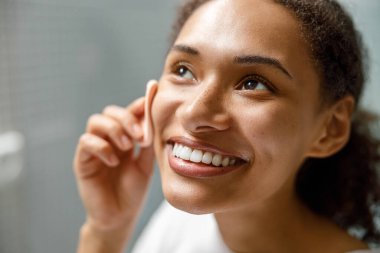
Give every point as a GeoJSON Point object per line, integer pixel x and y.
{"type": "Point", "coordinates": [114, 129]}
{"type": "Point", "coordinates": [92, 119]}
{"type": "Point", "coordinates": [109, 109]}
{"type": "Point", "coordinates": [129, 118]}
{"type": "Point", "coordinates": [103, 148]}
{"type": "Point", "coordinates": [84, 139]}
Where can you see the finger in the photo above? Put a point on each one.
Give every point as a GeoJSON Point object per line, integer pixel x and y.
{"type": "Point", "coordinates": [93, 146]}
{"type": "Point", "coordinates": [137, 107]}
{"type": "Point", "coordinates": [129, 121]}
{"type": "Point", "coordinates": [105, 126]}
{"type": "Point", "coordinates": [86, 165]}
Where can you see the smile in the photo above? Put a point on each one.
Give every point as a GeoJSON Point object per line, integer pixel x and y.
{"type": "Point", "coordinates": [199, 156]}
{"type": "Point", "coordinates": [201, 160]}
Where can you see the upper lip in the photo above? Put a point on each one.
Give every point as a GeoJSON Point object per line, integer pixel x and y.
{"type": "Point", "coordinates": [201, 145]}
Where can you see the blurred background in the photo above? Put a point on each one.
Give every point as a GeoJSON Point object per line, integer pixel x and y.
{"type": "Point", "coordinates": [63, 60]}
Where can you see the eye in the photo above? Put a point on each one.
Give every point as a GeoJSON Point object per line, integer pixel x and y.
{"type": "Point", "coordinates": [254, 83]}
{"type": "Point", "coordinates": [184, 72]}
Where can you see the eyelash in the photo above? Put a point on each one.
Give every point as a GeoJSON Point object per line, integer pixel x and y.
{"type": "Point", "coordinates": [176, 67]}
{"type": "Point", "coordinates": [257, 78]}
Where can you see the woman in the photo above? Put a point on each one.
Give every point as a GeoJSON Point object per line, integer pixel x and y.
{"type": "Point", "coordinates": [253, 125]}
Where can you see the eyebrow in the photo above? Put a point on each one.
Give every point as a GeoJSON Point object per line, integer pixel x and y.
{"type": "Point", "coordinates": [257, 59]}
{"type": "Point", "coordinates": [243, 59]}
{"type": "Point", "coordinates": [185, 49]}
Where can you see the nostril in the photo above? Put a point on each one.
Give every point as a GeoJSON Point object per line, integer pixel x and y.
{"type": "Point", "coordinates": [205, 111]}
{"type": "Point", "coordinates": [197, 122]}
{"type": "Point", "coordinates": [203, 128]}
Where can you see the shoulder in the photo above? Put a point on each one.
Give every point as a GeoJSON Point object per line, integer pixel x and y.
{"type": "Point", "coordinates": [172, 230]}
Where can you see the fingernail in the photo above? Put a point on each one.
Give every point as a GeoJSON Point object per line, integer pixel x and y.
{"type": "Point", "coordinates": [126, 142]}
{"type": "Point", "coordinates": [137, 130]}
{"type": "Point", "coordinates": [113, 160]}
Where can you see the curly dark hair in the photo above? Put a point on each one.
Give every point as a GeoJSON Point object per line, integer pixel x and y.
{"type": "Point", "coordinates": [344, 187]}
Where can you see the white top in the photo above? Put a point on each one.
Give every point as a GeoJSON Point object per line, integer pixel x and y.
{"type": "Point", "coordinates": [173, 231]}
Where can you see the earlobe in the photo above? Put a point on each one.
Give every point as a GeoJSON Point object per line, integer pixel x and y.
{"type": "Point", "coordinates": [336, 129]}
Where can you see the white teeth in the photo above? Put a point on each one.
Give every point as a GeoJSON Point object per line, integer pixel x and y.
{"type": "Point", "coordinates": [174, 151]}
{"type": "Point", "coordinates": [207, 158]}
{"type": "Point", "coordinates": [217, 160]}
{"type": "Point", "coordinates": [225, 161]}
{"type": "Point", "coordinates": [185, 153]}
{"type": "Point", "coordinates": [196, 156]}
{"type": "Point", "coordinates": [178, 150]}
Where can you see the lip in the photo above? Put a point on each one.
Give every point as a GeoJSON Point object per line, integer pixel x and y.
{"type": "Point", "coordinates": [203, 146]}
{"type": "Point", "coordinates": [197, 170]}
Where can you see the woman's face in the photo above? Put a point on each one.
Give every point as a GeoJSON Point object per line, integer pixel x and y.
{"type": "Point", "coordinates": [237, 84]}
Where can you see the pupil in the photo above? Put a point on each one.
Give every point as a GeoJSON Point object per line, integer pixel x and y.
{"type": "Point", "coordinates": [182, 71]}
{"type": "Point", "coordinates": [250, 85]}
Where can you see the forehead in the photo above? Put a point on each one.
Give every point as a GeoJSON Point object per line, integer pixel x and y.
{"type": "Point", "coordinates": [244, 26]}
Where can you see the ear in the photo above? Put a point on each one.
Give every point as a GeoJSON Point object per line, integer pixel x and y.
{"type": "Point", "coordinates": [336, 129]}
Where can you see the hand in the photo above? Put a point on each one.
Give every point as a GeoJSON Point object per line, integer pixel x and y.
{"type": "Point", "coordinates": [112, 180]}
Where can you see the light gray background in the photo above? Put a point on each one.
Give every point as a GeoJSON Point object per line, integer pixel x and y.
{"type": "Point", "coordinates": [63, 60]}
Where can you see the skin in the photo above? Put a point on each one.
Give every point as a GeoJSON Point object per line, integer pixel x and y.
{"type": "Point", "coordinates": [112, 181]}
{"type": "Point", "coordinates": [205, 98]}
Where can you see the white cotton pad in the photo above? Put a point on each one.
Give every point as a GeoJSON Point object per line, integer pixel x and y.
{"type": "Point", "coordinates": [151, 89]}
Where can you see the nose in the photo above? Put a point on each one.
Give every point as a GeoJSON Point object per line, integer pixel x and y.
{"type": "Point", "coordinates": [205, 110]}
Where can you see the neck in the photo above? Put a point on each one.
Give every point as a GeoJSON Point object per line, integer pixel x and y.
{"type": "Point", "coordinates": [281, 224]}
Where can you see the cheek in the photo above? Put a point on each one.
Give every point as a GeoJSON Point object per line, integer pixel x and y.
{"type": "Point", "coordinates": [275, 134]}
{"type": "Point", "coordinates": [164, 106]}
{"type": "Point", "coordinates": [272, 127]}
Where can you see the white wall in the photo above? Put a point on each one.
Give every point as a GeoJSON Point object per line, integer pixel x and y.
{"type": "Point", "coordinates": [367, 19]}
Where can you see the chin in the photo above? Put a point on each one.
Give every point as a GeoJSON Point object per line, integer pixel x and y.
{"type": "Point", "coordinates": [189, 206]}
{"type": "Point", "coordinates": [195, 195]}
{"type": "Point", "coordinates": [191, 198]}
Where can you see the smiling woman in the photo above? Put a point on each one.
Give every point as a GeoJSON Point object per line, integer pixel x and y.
{"type": "Point", "coordinates": [257, 134]}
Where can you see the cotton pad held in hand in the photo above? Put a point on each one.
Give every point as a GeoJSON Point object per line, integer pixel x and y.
{"type": "Point", "coordinates": [151, 89]}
